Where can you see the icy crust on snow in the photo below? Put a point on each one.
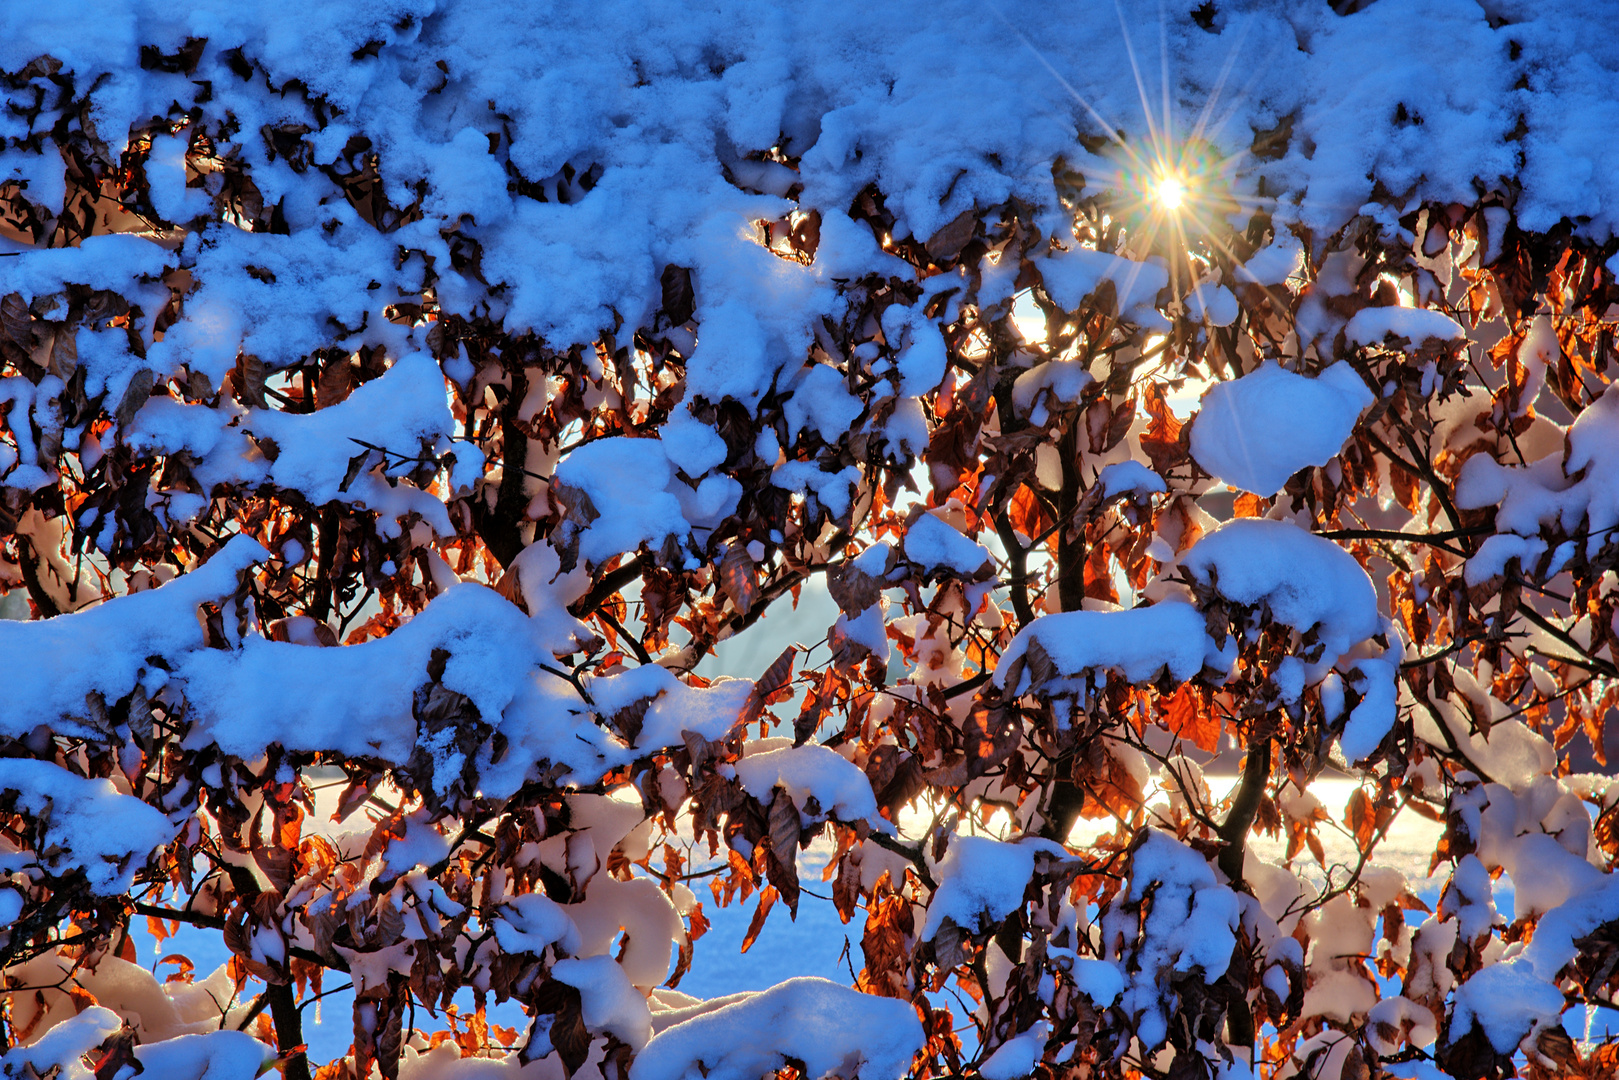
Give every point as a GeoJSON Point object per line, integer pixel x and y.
{"type": "Point", "coordinates": [1307, 582]}
{"type": "Point", "coordinates": [1574, 488]}
{"type": "Point", "coordinates": [832, 1029]}
{"type": "Point", "coordinates": [1190, 924]}
{"type": "Point", "coordinates": [90, 825]}
{"type": "Point", "coordinates": [1256, 431]}
{"type": "Point", "coordinates": [405, 411]}
{"type": "Point", "coordinates": [1138, 643]}
{"type": "Point", "coordinates": [981, 881]}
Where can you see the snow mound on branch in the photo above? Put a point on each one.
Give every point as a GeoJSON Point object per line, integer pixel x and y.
{"type": "Point", "coordinates": [1062, 380]}
{"type": "Point", "coordinates": [1307, 582]}
{"type": "Point", "coordinates": [213, 1055]}
{"type": "Point", "coordinates": [833, 490]}
{"type": "Point", "coordinates": [836, 784]}
{"type": "Point", "coordinates": [674, 707]}
{"type": "Point", "coordinates": [1190, 923]}
{"type": "Point", "coordinates": [1015, 1057]}
{"type": "Point", "coordinates": [1256, 431]}
{"type": "Point", "coordinates": [981, 881]}
{"type": "Point", "coordinates": [281, 297]}
{"type": "Point", "coordinates": [1071, 276]}
{"type": "Point", "coordinates": [1370, 720]}
{"type": "Point", "coordinates": [64, 1046]}
{"type": "Point", "coordinates": [405, 411]}
{"type": "Point", "coordinates": [626, 503]}
{"type": "Point", "coordinates": [1509, 1003]}
{"type": "Point", "coordinates": [830, 1028]}
{"type": "Point", "coordinates": [1129, 478]}
{"type": "Point", "coordinates": [355, 699]}
{"type": "Point", "coordinates": [610, 1002]}
{"type": "Point", "coordinates": [1370, 326]}
{"type": "Point", "coordinates": [1138, 643]}
{"type": "Point", "coordinates": [100, 262]}
{"type": "Point", "coordinates": [1273, 264]}
{"type": "Point", "coordinates": [935, 545]}
{"type": "Point", "coordinates": [52, 664]}
{"type": "Point", "coordinates": [533, 921]}
{"type": "Point", "coordinates": [358, 699]}
{"type": "Point", "coordinates": [1574, 488]}
{"type": "Point", "coordinates": [89, 825]}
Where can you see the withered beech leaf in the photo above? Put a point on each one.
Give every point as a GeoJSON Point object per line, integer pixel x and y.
{"type": "Point", "coordinates": [947, 243]}
{"type": "Point", "coordinates": [249, 380]}
{"type": "Point", "coordinates": [336, 382]}
{"type": "Point", "coordinates": [679, 301]}
{"type": "Point", "coordinates": [739, 577]}
{"type": "Point", "coordinates": [767, 900]}
{"type": "Point", "coordinates": [15, 320]}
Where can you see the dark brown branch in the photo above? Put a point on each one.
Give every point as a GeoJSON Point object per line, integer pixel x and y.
{"type": "Point", "coordinates": [1245, 805]}
{"type": "Point", "coordinates": [611, 582]}
{"type": "Point", "coordinates": [289, 1031]}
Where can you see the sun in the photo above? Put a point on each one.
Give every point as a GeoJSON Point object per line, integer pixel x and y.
{"type": "Point", "coordinates": [1170, 192]}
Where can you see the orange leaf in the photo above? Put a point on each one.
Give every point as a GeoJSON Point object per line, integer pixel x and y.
{"type": "Point", "coordinates": [1189, 717]}
{"type": "Point", "coordinates": [1249, 505]}
{"type": "Point", "coordinates": [767, 900]}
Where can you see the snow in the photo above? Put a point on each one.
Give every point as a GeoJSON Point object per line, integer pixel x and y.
{"type": "Point", "coordinates": [403, 411]}
{"type": "Point", "coordinates": [1508, 1002]}
{"type": "Point", "coordinates": [1138, 643]}
{"type": "Point", "coordinates": [1256, 431]}
{"type": "Point", "coordinates": [1098, 980]}
{"type": "Point", "coordinates": [1306, 582]}
{"type": "Point", "coordinates": [1061, 382]}
{"type": "Point", "coordinates": [1015, 1058]}
{"type": "Point", "coordinates": [101, 262]}
{"type": "Point", "coordinates": [52, 664]}
{"type": "Point", "coordinates": [532, 922]}
{"type": "Point", "coordinates": [64, 1045]}
{"type": "Point", "coordinates": [1369, 326]}
{"type": "Point", "coordinates": [667, 102]}
{"type": "Point", "coordinates": [625, 503]}
{"type": "Point", "coordinates": [1072, 276]}
{"type": "Point", "coordinates": [836, 784]}
{"type": "Point", "coordinates": [1129, 478]}
{"type": "Point", "coordinates": [934, 545]}
{"type": "Point", "coordinates": [1212, 303]}
{"type": "Point", "coordinates": [1274, 263]}
{"type": "Point", "coordinates": [87, 825]}
{"type": "Point", "coordinates": [1190, 925]}
{"type": "Point", "coordinates": [981, 881]}
{"type": "Point", "coordinates": [830, 1028]}
{"type": "Point", "coordinates": [610, 1002]}
{"type": "Point", "coordinates": [1372, 719]}
{"type": "Point", "coordinates": [832, 489]}
{"type": "Point", "coordinates": [1573, 489]}
{"type": "Point", "coordinates": [217, 1055]}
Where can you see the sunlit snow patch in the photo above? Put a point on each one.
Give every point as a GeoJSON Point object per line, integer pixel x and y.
{"type": "Point", "coordinates": [1256, 431]}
